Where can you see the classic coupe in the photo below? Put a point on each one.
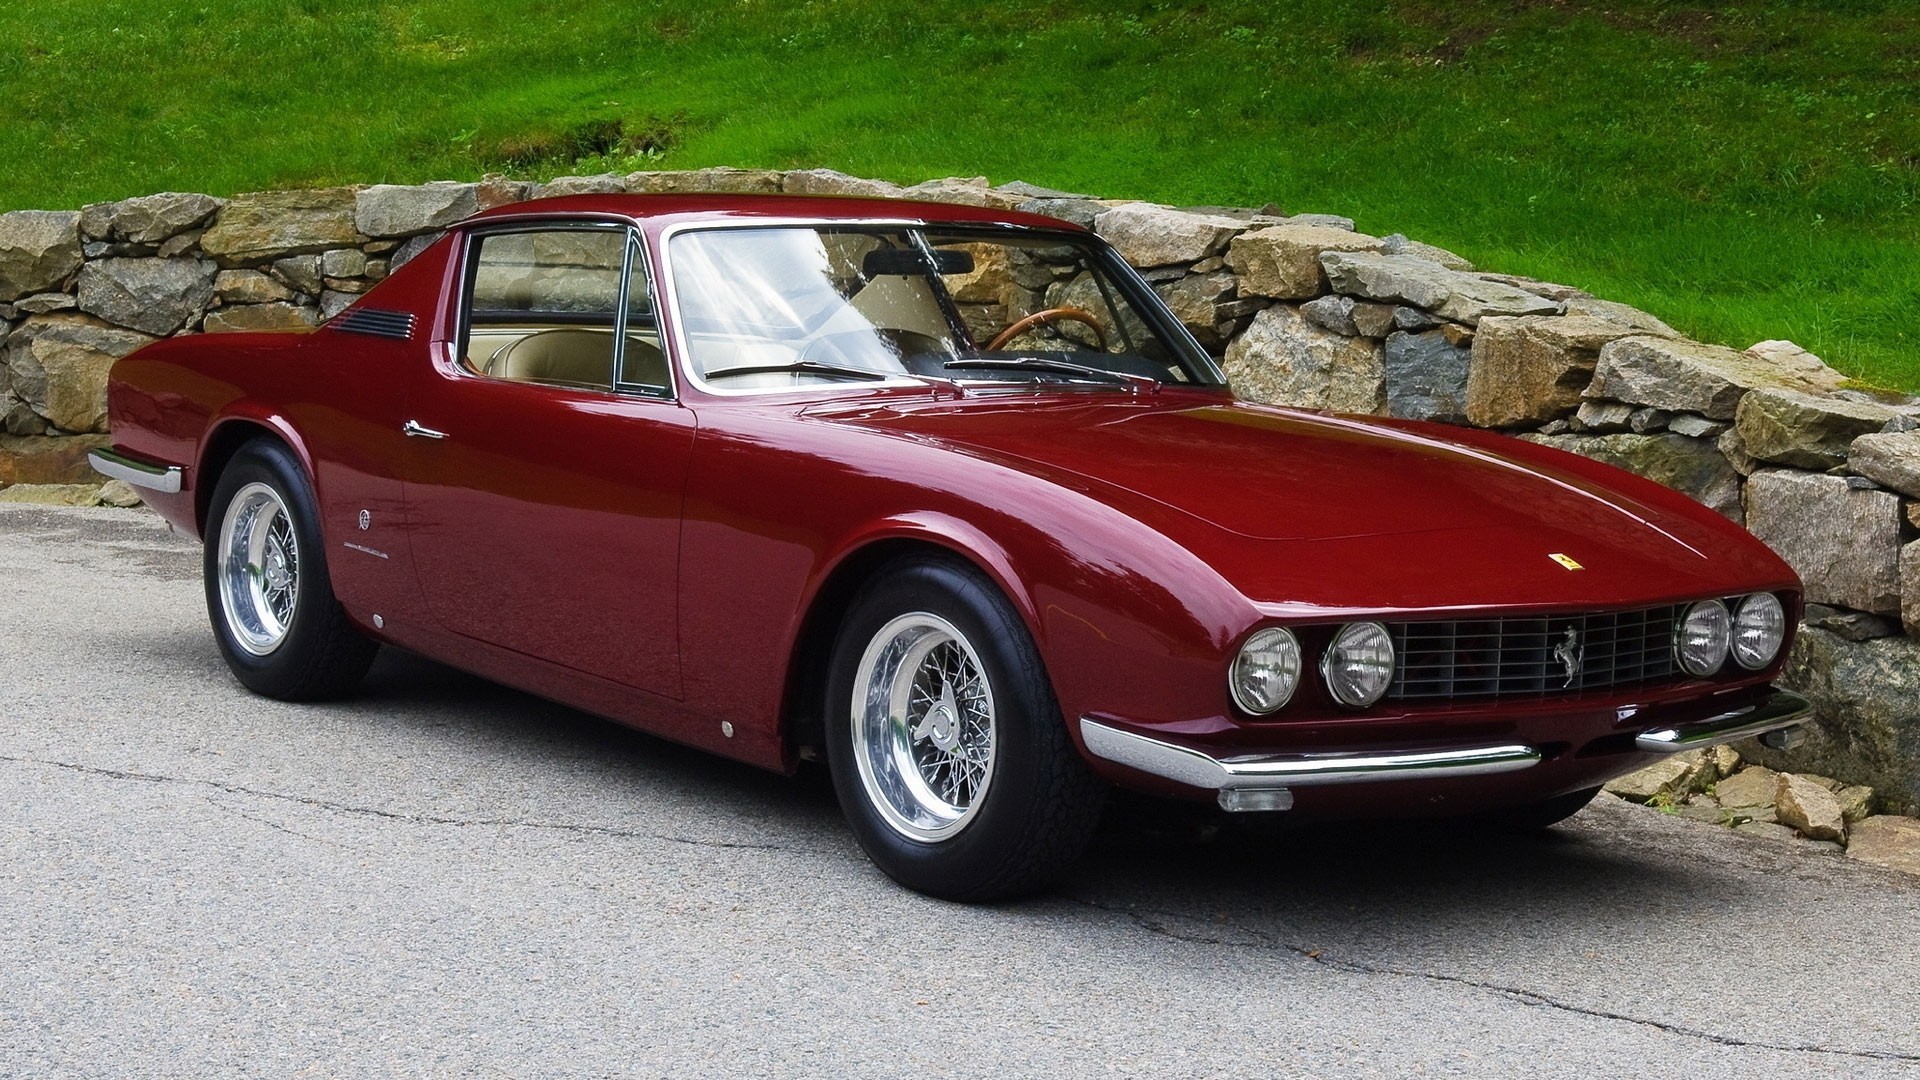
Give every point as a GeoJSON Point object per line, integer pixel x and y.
{"type": "Point", "coordinates": [947, 498]}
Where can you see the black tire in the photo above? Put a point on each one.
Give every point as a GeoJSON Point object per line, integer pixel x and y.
{"type": "Point", "coordinates": [1040, 806]}
{"type": "Point", "coordinates": [318, 653]}
{"type": "Point", "coordinates": [1536, 817]}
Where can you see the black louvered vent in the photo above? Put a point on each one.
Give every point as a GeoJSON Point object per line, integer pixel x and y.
{"type": "Point", "coordinates": [1502, 657]}
{"type": "Point", "coordinates": [376, 323]}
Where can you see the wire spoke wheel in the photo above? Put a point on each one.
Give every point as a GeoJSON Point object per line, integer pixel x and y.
{"type": "Point", "coordinates": [258, 568]}
{"type": "Point", "coordinates": [923, 727]}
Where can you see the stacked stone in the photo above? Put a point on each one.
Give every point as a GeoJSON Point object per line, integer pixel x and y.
{"type": "Point", "coordinates": [1303, 310]}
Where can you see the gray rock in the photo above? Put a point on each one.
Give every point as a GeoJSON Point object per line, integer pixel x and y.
{"type": "Point", "coordinates": [496, 190]}
{"type": "Point", "coordinates": [965, 191]}
{"type": "Point", "coordinates": [1910, 587]}
{"type": "Point", "coordinates": [1283, 261]}
{"type": "Point", "coordinates": [1533, 368]}
{"type": "Point", "coordinates": [57, 365]}
{"type": "Point", "coordinates": [1794, 428]}
{"type": "Point", "coordinates": [153, 296]}
{"type": "Point", "coordinates": [1856, 801]}
{"type": "Point", "coordinates": [1283, 359]}
{"type": "Point", "coordinates": [1426, 377]}
{"type": "Point", "coordinates": [394, 210]}
{"type": "Point", "coordinates": [45, 304]}
{"type": "Point", "coordinates": [251, 317]}
{"type": "Point", "coordinates": [1555, 427]}
{"type": "Point", "coordinates": [1630, 317]}
{"type": "Point", "coordinates": [1195, 300]}
{"type": "Point", "coordinates": [1374, 320]}
{"type": "Point", "coordinates": [258, 228]}
{"type": "Point", "coordinates": [1890, 459]}
{"type": "Point", "coordinates": [301, 272]}
{"type": "Point", "coordinates": [1863, 695]}
{"type": "Point", "coordinates": [1845, 544]}
{"type": "Point", "coordinates": [1035, 191]}
{"type": "Point", "coordinates": [333, 303]}
{"type": "Point", "coordinates": [1333, 313]}
{"type": "Point", "coordinates": [722, 179]}
{"type": "Point", "coordinates": [1413, 320]}
{"type": "Point", "coordinates": [1887, 841]}
{"type": "Point", "coordinates": [1398, 244]}
{"type": "Point", "coordinates": [1148, 235]}
{"type": "Point", "coordinates": [1808, 808]}
{"type": "Point", "coordinates": [248, 287]}
{"type": "Point", "coordinates": [1734, 449]}
{"type": "Point", "coordinates": [1079, 212]}
{"type": "Point", "coordinates": [343, 263]}
{"type": "Point", "coordinates": [1325, 221]}
{"type": "Point", "coordinates": [1689, 466]}
{"type": "Point", "coordinates": [1688, 376]}
{"type": "Point", "coordinates": [1648, 420]}
{"type": "Point", "coordinates": [149, 219]}
{"type": "Point", "coordinates": [600, 184]}
{"type": "Point", "coordinates": [1423, 283]}
{"type": "Point", "coordinates": [1697, 427]}
{"type": "Point", "coordinates": [410, 250]}
{"type": "Point", "coordinates": [1753, 786]}
{"type": "Point", "coordinates": [1665, 778]}
{"type": "Point", "coordinates": [38, 250]}
{"type": "Point", "coordinates": [829, 182]}
{"type": "Point", "coordinates": [1852, 625]}
{"type": "Point", "coordinates": [1548, 289]}
{"type": "Point", "coordinates": [1603, 417]}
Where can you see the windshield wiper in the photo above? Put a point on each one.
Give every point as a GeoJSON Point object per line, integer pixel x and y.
{"type": "Point", "coordinates": [1063, 367]}
{"type": "Point", "coordinates": [810, 367]}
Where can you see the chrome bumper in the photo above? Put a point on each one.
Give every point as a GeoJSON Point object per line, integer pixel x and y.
{"type": "Point", "coordinates": [1263, 781]}
{"type": "Point", "coordinates": [141, 474]}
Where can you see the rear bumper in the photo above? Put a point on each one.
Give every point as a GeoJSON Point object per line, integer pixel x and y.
{"type": "Point", "coordinates": [1278, 773]}
{"type": "Point", "coordinates": [165, 479]}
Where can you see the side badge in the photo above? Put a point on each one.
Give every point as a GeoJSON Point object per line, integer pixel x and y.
{"type": "Point", "coordinates": [1565, 560]}
{"type": "Point", "coordinates": [366, 522]}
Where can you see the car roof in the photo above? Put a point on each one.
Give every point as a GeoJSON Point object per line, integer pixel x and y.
{"type": "Point", "coordinates": [690, 207]}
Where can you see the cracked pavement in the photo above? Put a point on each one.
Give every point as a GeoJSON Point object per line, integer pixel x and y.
{"type": "Point", "coordinates": [443, 876]}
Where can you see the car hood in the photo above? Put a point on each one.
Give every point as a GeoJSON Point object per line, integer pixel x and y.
{"type": "Point", "coordinates": [1275, 497]}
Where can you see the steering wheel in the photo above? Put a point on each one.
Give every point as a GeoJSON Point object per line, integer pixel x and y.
{"type": "Point", "coordinates": [1050, 315]}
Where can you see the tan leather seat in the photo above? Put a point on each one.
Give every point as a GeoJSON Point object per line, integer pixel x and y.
{"type": "Point", "coordinates": [577, 358]}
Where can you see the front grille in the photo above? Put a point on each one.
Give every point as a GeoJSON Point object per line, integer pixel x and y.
{"type": "Point", "coordinates": [1520, 656]}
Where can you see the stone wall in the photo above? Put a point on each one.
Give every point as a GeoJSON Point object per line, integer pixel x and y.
{"type": "Point", "coordinates": [1303, 310]}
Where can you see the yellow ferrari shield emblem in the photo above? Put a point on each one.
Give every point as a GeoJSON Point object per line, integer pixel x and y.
{"type": "Point", "coordinates": [1565, 560]}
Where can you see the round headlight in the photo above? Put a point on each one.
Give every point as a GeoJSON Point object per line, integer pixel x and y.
{"type": "Point", "coordinates": [1358, 665]}
{"type": "Point", "coordinates": [1758, 628]}
{"type": "Point", "coordinates": [1700, 641]}
{"type": "Point", "coordinates": [1266, 671]}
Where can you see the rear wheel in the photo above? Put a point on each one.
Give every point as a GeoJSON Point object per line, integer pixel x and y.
{"type": "Point", "coordinates": [947, 748]}
{"type": "Point", "coordinates": [268, 594]}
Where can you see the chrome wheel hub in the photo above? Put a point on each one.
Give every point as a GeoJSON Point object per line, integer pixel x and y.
{"type": "Point", "coordinates": [923, 727]}
{"type": "Point", "coordinates": [258, 569]}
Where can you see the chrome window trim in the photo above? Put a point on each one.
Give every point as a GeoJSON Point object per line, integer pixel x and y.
{"type": "Point", "coordinates": [636, 249]}
{"type": "Point", "coordinates": [667, 288]}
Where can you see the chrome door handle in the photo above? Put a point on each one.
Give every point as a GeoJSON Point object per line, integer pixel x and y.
{"type": "Point", "coordinates": [415, 427]}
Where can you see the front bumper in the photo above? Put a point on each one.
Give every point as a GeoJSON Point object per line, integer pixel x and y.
{"type": "Point", "coordinates": [1265, 781]}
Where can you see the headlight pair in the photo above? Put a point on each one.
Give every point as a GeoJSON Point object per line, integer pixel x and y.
{"type": "Point", "coordinates": [1357, 667]}
{"type": "Point", "coordinates": [1706, 634]}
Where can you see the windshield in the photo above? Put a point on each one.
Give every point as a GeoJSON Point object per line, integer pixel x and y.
{"type": "Point", "coordinates": [783, 306]}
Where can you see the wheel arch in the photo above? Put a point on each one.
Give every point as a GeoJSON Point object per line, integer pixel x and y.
{"type": "Point", "coordinates": [224, 439]}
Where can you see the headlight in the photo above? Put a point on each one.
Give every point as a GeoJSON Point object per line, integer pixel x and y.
{"type": "Point", "coordinates": [1700, 640]}
{"type": "Point", "coordinates": [1758, 628]}
{"type": "Point", "coordinates": [1266, 671]}
{"type": "Point", "coordinates": [1358, 665]}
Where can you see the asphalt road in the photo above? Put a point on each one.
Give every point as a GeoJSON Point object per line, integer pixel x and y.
{"type": "Point", "coordinates": [445, 877]}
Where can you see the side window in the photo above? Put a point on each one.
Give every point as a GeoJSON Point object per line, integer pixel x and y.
{"type": "Point", "coordinates": [544, 306]}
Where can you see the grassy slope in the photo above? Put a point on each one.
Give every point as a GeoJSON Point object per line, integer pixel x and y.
{"type": "Point", "coordinates": [1745, 171]}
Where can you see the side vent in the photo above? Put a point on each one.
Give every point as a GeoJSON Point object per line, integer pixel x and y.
{"type": "Point", "coordinates": [376, 323]}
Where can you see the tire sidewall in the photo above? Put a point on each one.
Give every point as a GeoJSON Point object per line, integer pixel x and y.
{"type": "Point", "coordinates": [1023, 704]}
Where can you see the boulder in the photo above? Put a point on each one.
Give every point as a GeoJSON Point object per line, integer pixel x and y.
{"type": "Point", "coordinates": [1423, 283]}
{"type": "Point", "coordinates": [702, 181]}
{"type": "Point", "coordinates": [1753, 786]}
{"type": "Point", "coordinates": [58, 365]}
{"type": "Point", "coordinates": [1794, 428]}
{"type": "Point", "coordinates": [38, 250]}
{"type": "Point", "coordinates": [1689, 376]}
{"type": "Point", "coordinates": [1630, 317]}
{"type": "Point", "coordinates": [966, 191]}
{"type": "Point", "coordinates": [1852, 625]}
{"type": "Point", "coordinates": [1666, 778]}
{"type": "Point", "coordinates": [1843, 542]}
{"type": "Point", "coordinates": [302, 272]}
{"type": "Point", "coordinates": [1689, 466]}
{"type": "Point", "coordinates": [246, 317]}
{"type": "Point", "coordinates": [1195, 299]}
{"type": "Point", "coordinates": [1808, 807]}
{"type": "Point", "coordinates": [1333, 313]}
{"type": "Point", "coordinates": [52, 494]}
{"type": "Point", "coordinates": [396, 210]}
{"type": "Point", "coordinates": [599, 184]}
{"type": "Point", "coordinates": [1550, 290]}
{"type": "Point", "coordinates": [1532, 368]}
{"type": "Point", "coordinates": [1079, 212]}
{"type": "Point", "coordinates": [1891, 459]}
{"type": "Point", "coordinates": [1887, 841]}
{"type": "Point", "coordinates": [1035, 191]}
{"type": "Point", "coordinates": [343, 263]}
{"type": "Point", "coordinates": [1910, 587]}
{"type": "Point", "coordinates": [1398, 244]}
{"type": "Point", "coordinates": [1724, 759]}
{"type": "Point", "coordinates": [1856, 801]}
{"type": "Point", "coordinates": [1602, 417]}
{"type": "Point", "coordinates": [1373, 320]}
{"type": "Point", "coordinates": [258, 228]}
{"type": "Point", "coordinates": [248, 287]}
{"type": "Point", "coordinates": [1283, 359]}
{"type": "Point", "coordinates": [1864, 728]}
{"type": "Point", "coordinates": [1696, 427]}
{"type": "Point", "coordinates": [153, 296]}
{"type": "Point", "coordinates": [149, 219]}
{"type": "Point", "coordinates": [496, 190]}
{"type": "Point", "coordinates": [48, 459]}
{"type": "Point", "coordinates": [1148, 235]}
{"type": "Point", "coordinates": [1283, 261]}
{"type": "Point", "coordinates": [1426, 377]}
{"type": "Point", "coordinates": [829, 182]}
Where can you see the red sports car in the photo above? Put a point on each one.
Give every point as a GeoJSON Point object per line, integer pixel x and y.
{"type": "Point", "coordinates": [946, 497]}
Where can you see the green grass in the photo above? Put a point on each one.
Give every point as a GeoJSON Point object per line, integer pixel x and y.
{"type": "Point", "coordinates": [1745, 170]}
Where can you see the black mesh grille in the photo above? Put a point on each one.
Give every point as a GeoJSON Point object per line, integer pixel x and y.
{"type": "Point", "coordinates": [1498, 657]}
{"type": "Point", "coordinates": [376, 323]}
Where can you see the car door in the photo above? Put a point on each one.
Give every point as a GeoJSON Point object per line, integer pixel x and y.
{"type": "Point", "coordinates": [548, 457]}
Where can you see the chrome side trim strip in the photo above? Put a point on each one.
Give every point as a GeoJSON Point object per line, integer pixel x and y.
{"type": "Point", "coordinates": [141, 474]}
{"type": "Point", "coordinates": [1782, 710]}
{"type": "Point", "coordinates": [1201, 770]}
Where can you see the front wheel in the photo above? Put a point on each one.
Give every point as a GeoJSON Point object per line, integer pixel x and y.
{"type": "Point", "coordinates": [947, 747]}
{"type": "Point", "coordinates": [268, 594]}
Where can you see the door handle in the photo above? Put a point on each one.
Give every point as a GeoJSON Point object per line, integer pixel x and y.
{"type": "Point", "coordinates": [415, 427]}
